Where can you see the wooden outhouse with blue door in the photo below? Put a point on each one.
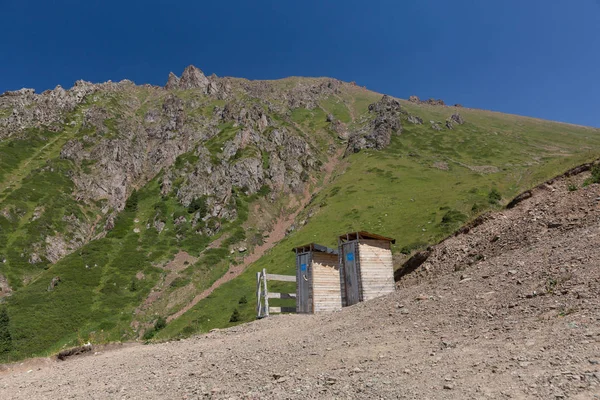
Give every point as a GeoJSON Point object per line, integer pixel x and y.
{"type": "Point", "coordinates": [317, 279]}
{"type": "Point", "coordinates": [366, 267]}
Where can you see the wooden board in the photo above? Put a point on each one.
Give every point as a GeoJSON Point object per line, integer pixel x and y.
{"type": "Point", "coordinates": [326, 283]}
{"type": "Point", "coordinates": [281, 278]}
{"type": "Point", "coordinates": [281, 295]}
{"type": "Point", "coordinates": [349, 273]}
{"type": "Point", "coordinates": [376, 267]}
{"type": "Point", "coordinates": [273, 310]}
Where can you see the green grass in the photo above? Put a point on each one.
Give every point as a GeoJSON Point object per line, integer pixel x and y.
{"type": "Point", "coordinates": [396, 192]}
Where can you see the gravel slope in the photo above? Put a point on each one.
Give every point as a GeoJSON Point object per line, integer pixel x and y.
{"type": "Point", "coordinates": [508, 310]}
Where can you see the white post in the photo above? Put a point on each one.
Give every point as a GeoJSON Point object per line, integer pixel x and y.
{"type": "Point", "coordinates": [258, 302]}
{"type": "Point", "coordinates": [266, 293]}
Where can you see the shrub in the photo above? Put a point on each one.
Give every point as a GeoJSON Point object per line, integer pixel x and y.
{"type": "Point", "coordinates": [596, 174]}
{"type": "Point", "coordinates": [132, 202]}
{"type": "Point", "coordinates": [235, 316]}
{"type": "Point", "coordinates": [149, 334]}
{"type": "Point", "coordinates": [198, 205]}
{"type": "Point", "coordinates": [413, 246]}
{"type": "Point", "coordinates": [494, 196]}
{"type": "Point", "coordinates": [243, 300]}
{"type": "Point", "coordinates": [595, 178]}
{"type": "Point", "coordinates": [477, 207]}
{"type": "Point", "coordinates": [572, 187]}
{"type": "Point", "coordinates": [453, 216]}
{"type": "Point", "coordinates": [160, 323]}
{"type": "Point", "coordinates": [5, 337]}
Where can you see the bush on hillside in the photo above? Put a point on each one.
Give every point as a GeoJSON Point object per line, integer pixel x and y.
{"type": "Point", "coordinates": [5, 337]}
{"type": "Point", "coordinates": [132, 202]}
{"type": "Point", "coordinates": [198, 205]}
{"type": "Point", "coordinates": [595, 178]}
{"type": "Point", "coordinates": [160, 323]}
{"type": "Point", "coordinates": [235, 316]}
{"type": "Point", "coordinates": [494, 196]}
{"type": "Point", "coordinates": [452, 218]}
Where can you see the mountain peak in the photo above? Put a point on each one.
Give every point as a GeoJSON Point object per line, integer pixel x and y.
{"type": "Point", "coordinates": [192, 78]}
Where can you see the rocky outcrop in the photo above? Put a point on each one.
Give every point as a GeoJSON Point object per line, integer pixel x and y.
{"type": "Point", "coordinates": [54, 283]}
{"type": "Point", "coordinates": [194, 78]}
{"type": "Point", "coordinates": [50, 108]}
{"type": "Point", "coordinates": [378, 133]}
{"type": "Point", "coordinates": [413, 119]}
{"type": "Point", "coordinates": [431, 102]}
{"type": "Point", "coordinates": [454, 119]}
{"type": "Point", "coordinates": [457, 118]}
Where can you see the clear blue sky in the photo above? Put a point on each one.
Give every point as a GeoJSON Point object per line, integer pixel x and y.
{"type": "Point", "coordinates": [531, 57]}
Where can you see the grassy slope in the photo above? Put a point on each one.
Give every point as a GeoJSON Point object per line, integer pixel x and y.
{"type": "Point", "coordinates": [397, 192]}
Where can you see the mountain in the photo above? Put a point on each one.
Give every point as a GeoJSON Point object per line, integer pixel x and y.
{"type": "Point", "coordinates": [507, 308]}
{"type": "Point", "coordinates": [137, 212]}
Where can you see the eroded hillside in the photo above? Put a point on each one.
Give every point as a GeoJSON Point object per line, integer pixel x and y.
{"type": "Point", "coordinates": [121, 205]}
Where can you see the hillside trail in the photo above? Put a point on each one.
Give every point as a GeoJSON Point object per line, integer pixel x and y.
{"type": "Point", "coordinates": [508, 308]}
{"type": "Point", "coordinates": [276, 234]}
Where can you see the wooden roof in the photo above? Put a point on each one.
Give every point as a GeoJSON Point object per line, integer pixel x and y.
{"type": "Point", "coordinates": [314, 247]}
{"type": "Point", "coordinates": [364, 235]}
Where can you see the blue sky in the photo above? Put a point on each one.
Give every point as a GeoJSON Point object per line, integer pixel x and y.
{"type": "Point", "coordinates": [529, 57]}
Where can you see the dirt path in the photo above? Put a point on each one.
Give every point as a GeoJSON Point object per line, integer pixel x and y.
{"type": "Point", "coordinates": [276, 234]}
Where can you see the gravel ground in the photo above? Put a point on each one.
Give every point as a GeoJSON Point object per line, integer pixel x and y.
{"type": "Point", "coordinates": [508, 310]}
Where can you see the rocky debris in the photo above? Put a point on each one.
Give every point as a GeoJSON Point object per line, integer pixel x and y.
{"type": "Point", "coordinates": [435, 126]}
{"type": "Point", "coordinates": [458, 105]}
{"type": "Point", "coordinates": [414, 99]}
{"type": "Point", "coordinates": [449, 124]}
{"type": "Point", "coordinates": [413, 119]}
{"type": "Point", "coordinates": [378, 133]}
{"type": "Point", "coordinates": [338, 127]}
{"type": "Point", "coordinates": [441, 165]}
{"type": "Point", "coordinates": [53, 283]}
{"type": "Point", "coordinates": [34, 258]}
{"type": "Point", "coordinates": [75, 351]}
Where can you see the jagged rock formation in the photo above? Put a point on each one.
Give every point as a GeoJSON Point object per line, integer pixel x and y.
{"type": "Point", "coordinates": [378, 133]}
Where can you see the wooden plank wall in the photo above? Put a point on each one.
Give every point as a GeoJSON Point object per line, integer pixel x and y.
{"type": "Point", "coordinates": [376, 267]}
{"type": "Point", "coordinates": [325, 282]}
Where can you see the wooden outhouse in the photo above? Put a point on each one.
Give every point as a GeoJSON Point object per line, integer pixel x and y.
{"type": "Point", "coordinates": [366, 268]}
{"type": "Point", "coordinates": [317, 279]}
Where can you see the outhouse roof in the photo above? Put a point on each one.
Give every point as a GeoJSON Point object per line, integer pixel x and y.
{"type": "Point", "coordinates": [364, 235]}
{"type": "Point", "coordinates": [314, 247]}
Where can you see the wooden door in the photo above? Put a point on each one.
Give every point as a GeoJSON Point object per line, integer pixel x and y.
{"type": "Point", "coordinates": [349, 255]}
{"type": "Point", "coordinates": [303, 282]}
